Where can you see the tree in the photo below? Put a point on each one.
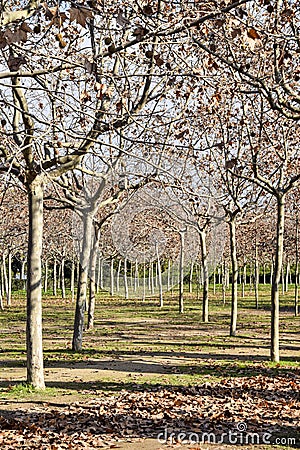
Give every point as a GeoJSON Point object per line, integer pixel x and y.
{"type": "Point", "coordinates": [269, 159]}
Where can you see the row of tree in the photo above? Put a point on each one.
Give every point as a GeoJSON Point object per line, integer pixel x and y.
{"type": "Point", "coordinates": [100, 99]}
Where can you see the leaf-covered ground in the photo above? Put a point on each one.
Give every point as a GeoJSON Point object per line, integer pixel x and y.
{"type": "Point", "coordinates": [258, 410]}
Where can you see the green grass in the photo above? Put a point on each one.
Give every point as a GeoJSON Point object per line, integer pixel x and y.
{"type": "Point", "coordinates": [133, 328]}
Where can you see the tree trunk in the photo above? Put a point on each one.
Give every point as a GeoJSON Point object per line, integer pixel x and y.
{"type": "Point", "coordinates": [287, 277]}
{"type": "Point", "coordinates": [297, 269]}
{"type": "Point", "coordinates": [34, 341]}
{"type": "Point", "coordinates": [59, 277]}
{"type": "Point", "coordinates": [151, 275]}
{"type": "Point", "coordinates": [112, 280]}
{"type": "Point", "coordinates": [250, 277]}
{"type": "Point", "coordinates": [72, 281]}
{"type": "Point", "coordinates": [191, 278]}
{"type": "Point", "coordinates": [5, 278]}
{"type": "Point", "coordinates": [282, 280]}
{"type": "Point", "coordinates": [256, 275]}
{"type": "Point", "coordinates": [2, 279]}
{"type": "Point", "coordinates": [1, 290]}
{"type": "Point", "coordinates": [205, 276]}
{"type": "Point", "coordinates": [125, 280]}
{"type": "Point", "coordinates": [98, 275]}
{"type": "Point", "coordinates": [144, 281]}
{"type": "Point", "coordinates": [62, 279]}
{"type": "Point", "coordinates": [271, 272]}
{"type": "Point", "coordinates": [118, 275]}
{"type": "Point", "coordinates": [169, 275]}
{"type": "Point", "coordinates": [9, 276]}
{"type": "Point", "coordinates": [136, 276]}
{"type": "Point", "coordinates": [101, 274]}
{"type": "Point", "coordinates": [46, 276]}
{"type": "Point", "coordinates": [92, 291]}
{"type": "Point", "coordinates": [276, 279]}
{"type": "Point", "coordinates": [159, 278]}
{"type": "Point", "coordinates": [1, 300]}
{"type": "Point", "coordinates": [55, 277]}
{"type": "Point", "coordinates": [82, 283]}
{"type": "Point", "coordinates": [181, 272]}
{"type": "Point", "coordinates": [224, 282]}
{"type": "Point", "coordinates": [234, 268]}
{"type": "Point", "coordinates": [244, 279]}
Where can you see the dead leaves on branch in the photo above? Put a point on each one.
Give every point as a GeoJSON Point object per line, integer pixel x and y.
{"type": "Point", "coordinates": [57, 18]}
{"type": "Point", "coordinates": [9, 37]}
{"type": "Point", "coordinates": [265, 404]}
{"type": "Point", "coordinates": [80, 15]}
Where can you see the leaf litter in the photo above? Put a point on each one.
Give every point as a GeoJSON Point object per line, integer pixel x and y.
{"type": "Point", "coordinates": [264, 404]}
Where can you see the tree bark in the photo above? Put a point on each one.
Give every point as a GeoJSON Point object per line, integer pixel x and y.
{"type": "Point", "coordinates": [35, 369]}
{"type": "Point", "coordinates": [159, 278]}
{"type": "Point", "coordinates": [112, 280]}
{"type": "Point", "coordinates": [234, 269]}
{"type": "Point", "coordinates": [46, 276]}
{"type": "Point", "coordinates": [1, 300]}
{"type": "Point", "coordinates": [287, 276]}
{"type": "Point", "coordinates": [169, 275]}
{"type": "Point", "coordinates": [72, 281]}
{"type": "Point", "coordinates": [5, 278]}
{"type": "Point", "coordinates": [62, 279]}
{"type": "Point", "coordinates": [191, 278]}
{"type": "Point", "coordinates": [125, 280]}
{"type": "Point", "coordinates": [92, 291]}
{"type": "Point", "coordinates": [256, 275]}
{"type": "Point", "coordinates": [224, 282]}
{"type": "Point", "coordinates": [244, 280]}
{"type": "Point", "coordinates": [276, 279]}
{"type": "Point", "coordinates": [297, 269]}
{"type": "Point", "coordinates": [82, 283]}
{"type": "Point", "coordinates": [55, 277]}
{"type": "Point", "coordinates": [118, 275]}
{"type": "Point", "coordinates": [181, 274]}
{"type": "Point", "coordinates": [205, 276]}
{"type": "Point", "coordinates": [9, 276]}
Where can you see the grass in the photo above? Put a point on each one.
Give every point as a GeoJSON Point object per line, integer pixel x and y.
{"type": "Point", "coordinates": [135, 328]}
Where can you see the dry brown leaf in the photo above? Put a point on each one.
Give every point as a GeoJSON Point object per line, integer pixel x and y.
{"type": "Point", "coordinates": [17, 36]}
{"type": "Point", "coordinates": [80, 15]}
{"type": "Point", "coordinates": [25, 27]}
{"type": "Point", "coordinates": [253, 34]}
